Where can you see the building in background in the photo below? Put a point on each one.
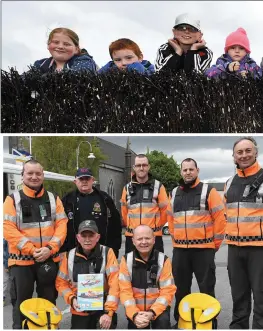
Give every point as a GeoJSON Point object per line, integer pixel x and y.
{"type": "Point", "coordinates": [114, 172]}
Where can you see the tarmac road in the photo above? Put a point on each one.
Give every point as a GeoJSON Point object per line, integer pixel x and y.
{"type": "Point", "coordinates": [222, 293]}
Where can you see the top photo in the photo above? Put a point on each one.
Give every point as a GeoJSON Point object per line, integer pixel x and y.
{"type": "Point", "coordinates": [132, 67]}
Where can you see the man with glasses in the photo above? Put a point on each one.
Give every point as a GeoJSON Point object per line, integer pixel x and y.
{"type": "Point", "coordinates": [144, 201]}
{"type": "Point", "coordinates": [88, 202]}
{"type": "Point", "coordinates": [186, 50]}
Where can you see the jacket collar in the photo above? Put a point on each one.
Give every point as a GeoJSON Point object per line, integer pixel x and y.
{"type": "Point", "coordinates": [194, 184]}
{"type": "Point", "coordinates": [149, 181]}
{"type": "Point", "coordinates": [33, 193]}
{"type": "Point", "coordinates": [252, 170]}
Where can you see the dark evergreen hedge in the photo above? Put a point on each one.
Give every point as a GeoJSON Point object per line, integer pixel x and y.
{"type": "Point", "coordinates": [71, 102]}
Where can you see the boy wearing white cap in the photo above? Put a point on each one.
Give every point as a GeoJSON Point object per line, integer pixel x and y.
{"type": "Point", "coordinates": [187, 49]}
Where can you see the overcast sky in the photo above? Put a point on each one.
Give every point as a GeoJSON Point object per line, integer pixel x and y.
{"type": "Point", "coordinates": [213, 154]}
{"type": "Point", "coordinates": [26, 25]}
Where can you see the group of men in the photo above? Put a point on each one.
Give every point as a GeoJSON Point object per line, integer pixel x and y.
{"type": "Point", "coordinates": [52, 241]}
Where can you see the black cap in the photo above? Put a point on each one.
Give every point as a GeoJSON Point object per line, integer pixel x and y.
{"type": "Point", "coordinates": [83, 172]}
{"type": "Point", "coordinates": [88, 225]}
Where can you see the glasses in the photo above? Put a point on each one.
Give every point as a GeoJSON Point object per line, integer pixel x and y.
{"type": "Point", "coordinates": [186, 27]}
{"type": "Point", "coordinates": [144, 165]}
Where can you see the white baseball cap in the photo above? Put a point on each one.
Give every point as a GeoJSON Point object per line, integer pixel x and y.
{"type": "Point", "coordinates": [187, 19]}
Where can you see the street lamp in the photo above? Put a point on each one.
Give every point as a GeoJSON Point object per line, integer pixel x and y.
{"type": "Point", "coordinates": [91, 155]}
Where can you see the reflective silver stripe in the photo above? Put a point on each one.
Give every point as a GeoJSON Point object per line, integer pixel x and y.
{"type": "Point", "coordinates": [38, 239]}
{"type": "Point", "coordinates": [111, 269]}
{"type": "Point", "coordinates": [22, 242]}
{"type": "Point", "coordinates": [228, 183]}
{"type": "Point", "coordinates": [35, 315]}
{"type": "Point", "coordinates": [167, 282]}
{"type": "Point", "coordinates": [244, 219]}
{"type": "Point", "coordinates": [123, 203]}
{"type": "Point", "coordinates": [218, 236]}
{"type": "Point", "coordinates": [191, 213]}
{"type": "Point", "coordinates": [52, 202]}
{"type": "Point", "coordinates": [217, 208]}
{"type": "Point", "coordinates": [71, 255]}
{"type": "Point", "coordinates": [67, 290]}
{"type": "Point", "coordinates": [260, 194]}
{"type": "Point", "coordinates": [192, 225]}
{"type": "Point", "coordinates": [112, 298]}
{"type": "Point", "coordinates": [19, 215]}
{"type": "Point", "coordinates": [129, 262]}
{"type": "Point", "coordinates": [168, 212]}
{"type": "Point", "coordinates": [152, 290]}
{"type": "Point", "coordinates": [162, 204]}
{"type": "Point", "coordinates": [62, 275]}
{"type": "Point", "coordinates": [173, 196]}
{"type": "Point", "coordinates": [34, 225]}
{"type": "Point", "coordinates": [130, 302]}
{"type": "Point", "coordinates": [57, 240]}
{"type": "Point", "coordinates": [104, 258]}
{"type": "Point", "coordinates": [147, 301]}
{"type": "Point", "coordinates": [247, 205]}
{"type": "Point", "coordinates": [203, 196]}
{"type": "Point", "coordinates": [60, 216]}
{"type": "Point", "coordinates": [128, 196]}
{"type": "Point", "coordinates": [143, 204]}
{"type": "Point", "coordinates": [157, 186]}
{"type": "Point", "coordinates": [124, 277]}
{"type": "Point", "coordinates": [162, 301]}
{"type": "Point", "coordinates": [10, 218]}
{"type": "Point", "coordinates": [144, 215]}
{"type": "Point", "coordinates": [160, 265]}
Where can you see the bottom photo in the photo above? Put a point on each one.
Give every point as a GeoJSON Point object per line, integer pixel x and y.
{"type": "Point", "coordinates": [133, 232]}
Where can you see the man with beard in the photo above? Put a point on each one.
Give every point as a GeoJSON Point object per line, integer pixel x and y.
{"type": "Point", "coordinates": [197, 224]}
{"type": "Point", "coordinates": [186, 50]}
{"type": "Point", "coordinates": [243, 195]}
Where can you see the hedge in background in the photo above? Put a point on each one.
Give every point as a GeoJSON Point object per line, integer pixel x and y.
{"type": "Point", "coordinates": [69, 102]}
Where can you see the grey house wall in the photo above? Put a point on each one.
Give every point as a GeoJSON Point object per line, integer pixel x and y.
{"type": "Point", "coordinates": [112, 181]}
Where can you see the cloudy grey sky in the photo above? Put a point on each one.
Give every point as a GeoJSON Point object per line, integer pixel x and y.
{"type": "Point", "coordinates": [26, 25]}
{"type": "Point", "coordinates": [212, 153]}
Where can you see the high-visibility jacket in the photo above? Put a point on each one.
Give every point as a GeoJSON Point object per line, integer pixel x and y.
{"type": "Point", "coordinates": [196, 217]}
{"type": "Point", "coordinates": [147, 285]}
{"type": "Point", "coordinates": [33, 221]}
{"type": "Point", "coordinates": [144, 203]}
{"type": "Point", "coordinates": [244, 212]}
{"type": "Point", "coordinates": [75, 262]}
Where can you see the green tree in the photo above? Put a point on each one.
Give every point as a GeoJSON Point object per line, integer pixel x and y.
{"type": "Point", "coordinates": [164, 168]}
{"type": "Point", "coordinates": [58, 154]}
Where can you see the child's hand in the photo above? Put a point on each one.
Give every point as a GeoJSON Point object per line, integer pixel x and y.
{"type": "Point", "coordinates": [243, 73]}
{"type": "Point", "coordinates": [198, 45]}
{"type": "Point", "coordinates": [176, 46]}
{"type": "Point", "coordinates": [234, 66]}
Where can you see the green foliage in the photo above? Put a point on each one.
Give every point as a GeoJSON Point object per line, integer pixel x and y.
{"type": "Point", "coordinates": [58, 154]}
{"type": "Point", "coordinates": [164, 168]}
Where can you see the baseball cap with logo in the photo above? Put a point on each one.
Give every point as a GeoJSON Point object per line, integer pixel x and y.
{"type": "Point", "coordinates": [83, 172]}
{"type": "Point", "coordinates": [187, 19]}
{"type": "Point", "coordinates": [88, 225]}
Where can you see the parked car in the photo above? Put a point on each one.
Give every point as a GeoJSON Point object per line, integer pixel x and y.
{"type": "Point", "coordinates": [166, 229]}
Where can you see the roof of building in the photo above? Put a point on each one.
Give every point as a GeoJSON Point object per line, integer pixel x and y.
{"type": "Point", "coordinates": [115, 153]}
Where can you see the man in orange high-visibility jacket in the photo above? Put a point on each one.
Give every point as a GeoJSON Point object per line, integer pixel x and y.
{"type": "Point", "coordinates": [146, 283]}
{"type": "Point", "coordinates": [35, 227]}
{"type": "Point", "coordinates": [144, 201]}
{"type": "Point", "coordinates": [196, 220]}
{"type": "Point", "coordinates": [89, 257]}
{"type": "Point", "coordinates": [244, 235]}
